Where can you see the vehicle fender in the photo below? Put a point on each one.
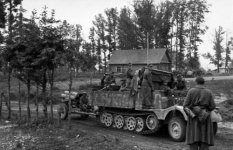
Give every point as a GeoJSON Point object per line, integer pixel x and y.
{"type": "Point", "coordinates": [163, 113]}
{"type": "Point", "coordinates": [180, 108]}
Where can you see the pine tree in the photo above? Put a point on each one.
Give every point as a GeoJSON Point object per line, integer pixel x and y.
{"type": "Point", "coordinates": [100, 24]}
{"type": "Point", "coordinates": [217, 58]}
{"type": "Point", "coordinates": [111, 29]}
{"type": "Point", "coordinates": [127, 33]}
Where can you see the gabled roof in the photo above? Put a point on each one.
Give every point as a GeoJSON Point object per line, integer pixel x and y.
{"type": "Point", "coordinates": [155, 56]}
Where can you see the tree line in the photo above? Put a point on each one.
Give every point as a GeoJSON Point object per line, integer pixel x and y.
{"type": "Point", "coordinates": [33, 48]}
{"type": "Point", "coordinates": [176, 25]}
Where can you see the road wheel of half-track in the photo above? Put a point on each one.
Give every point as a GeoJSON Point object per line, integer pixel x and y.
{"type": "Point", "coordinates": [131, 123]}
{"type": "Point", "coordinates": [152, 122]}
{"type": "Point", "coordinates": [102, 117]}
{"type": "Point", "coordinates": [177, 128]}
{"type": "Point", "coordinates": [119, 121]}
{"type": "Point", "coordinates": [140, 124]}
{"type": "Point", "coordinates": [63, 110]}
{"type": "Point", "coordinates": [108, 119]}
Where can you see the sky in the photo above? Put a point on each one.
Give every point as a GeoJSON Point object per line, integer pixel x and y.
{"type": "Point", "coordinates": [83, 12]}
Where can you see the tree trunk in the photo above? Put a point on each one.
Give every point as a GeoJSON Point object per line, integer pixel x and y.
{"type": "Point", "coordinates": [9, 91]}
{"type": "Point", "coordinates": [70, 85]}
{"type": "Point", "coordinates": [28, 101]}
{"type": "Point", "coordinates": [44, 82]}
{"type": "Point", "coordinates": [20, 113]}
{"type": "Point", "coordinates": [105, 62]}
{"type": "Point", "coordinates": [37, 97]}
{"type": "Point", "coordinates": [171, 55]}
{"type": "Point", "coordinates": [1, 105]}
{"type": "Point", "coordinates": [51, 93]}
{"type": "Point", "coordinates": [177, 46]}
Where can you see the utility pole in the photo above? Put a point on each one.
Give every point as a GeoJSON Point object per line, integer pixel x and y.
{"type": "Point", "coordinates": [147, 48]}
{"type": "Point", "coordinates": [227, 49]}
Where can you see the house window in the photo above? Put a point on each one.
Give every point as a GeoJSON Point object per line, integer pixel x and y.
{"type": "Point", "coordinates": [119, 69]}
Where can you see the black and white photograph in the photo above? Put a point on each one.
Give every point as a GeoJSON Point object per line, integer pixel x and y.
{"type": "Point", "coordinates": [116, 75]}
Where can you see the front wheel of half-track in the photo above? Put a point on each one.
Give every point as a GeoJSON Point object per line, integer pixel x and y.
{"type": "Point", "coordinates": [177, 128]}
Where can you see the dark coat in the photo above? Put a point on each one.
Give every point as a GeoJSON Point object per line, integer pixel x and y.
{"type": "Point", "coordinates": [129, 73]}
{"type": "Point", "coordinates": [146, 89]}
{"type": "Point", "coordinates": [198, 131]}
{"type": "Point", "coordinates": [180, 85]}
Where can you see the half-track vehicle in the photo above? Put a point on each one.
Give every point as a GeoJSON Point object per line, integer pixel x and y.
{"type": "Point", "coordinates": [123, 110]}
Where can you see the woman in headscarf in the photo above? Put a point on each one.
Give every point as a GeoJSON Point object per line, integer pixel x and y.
{"type": "Point", "coordinates": [198, 104]}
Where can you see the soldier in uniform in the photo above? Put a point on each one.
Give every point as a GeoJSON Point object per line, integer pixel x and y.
{"type": "Point", "coordinates": [129, 74]}
{"type": "Point", "coordinates": [102, 82]}
{"type": "Point", "coordinates": [147, 88]}
{"type": "Point", "coordinates": [134, 83]}
{"type": "Point", "coordinates": [109, 80]}
{"type": "Point", "coordinates": [180, 84]}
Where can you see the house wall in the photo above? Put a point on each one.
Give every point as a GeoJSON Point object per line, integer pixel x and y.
{"type": "Point", "coordinates": [123, 68]}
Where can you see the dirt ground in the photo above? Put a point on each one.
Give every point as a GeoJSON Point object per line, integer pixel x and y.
{"type": "Point", "coordinates": [90, 135]}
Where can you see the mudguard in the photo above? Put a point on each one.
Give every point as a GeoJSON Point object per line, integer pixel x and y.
{"type": "Point", "coordinates": [162, 113]}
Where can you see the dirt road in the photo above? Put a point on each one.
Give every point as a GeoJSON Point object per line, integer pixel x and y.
{"type": "Point", "coordinates": [159, 141]}
{"type": "Point", "coordinates": [213, 78]}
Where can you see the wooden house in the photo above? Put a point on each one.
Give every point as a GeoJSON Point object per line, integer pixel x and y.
{"type": "Point", "coordinates": [158, 57]}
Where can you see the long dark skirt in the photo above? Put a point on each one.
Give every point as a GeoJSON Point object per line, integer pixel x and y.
{"type": "Point", "coordinates": [199, 132]}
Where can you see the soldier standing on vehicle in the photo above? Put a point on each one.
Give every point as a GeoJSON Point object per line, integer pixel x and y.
{"type": "Point", "coordinates": [147, 88]}
{"type": "Point", "coordinates": [134, 83]}
{"type": "Point", "coordinates": [199, 131]}
{"type": "Point", "coordinates": [140, 74]}
{"type": "Point", "coordinates": [129, 74]}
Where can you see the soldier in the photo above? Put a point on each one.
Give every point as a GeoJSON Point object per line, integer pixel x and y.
{"type": "Point", "coordinates": [134, 83]}
{"type": "Point", "coordinates": [147, 88]}
{"type": "Point", "coordinates": [123, 85]}
{"type": "Point", "coordinates": [110, 79]}
{"type": "Point", "coordinates": [129, 74]}
{"type": "Point", "coordinates": [180, 84]}
{"type": "Point", "coordinates": [140, 74]}
{"type": "Point", "coordinates": [103, 80]}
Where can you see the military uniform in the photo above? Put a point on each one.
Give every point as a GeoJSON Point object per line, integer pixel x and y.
{"type": "Point", "coordinates": [129, 76]}
{"type": "Point", "coordinates": [180, 85]}
{"type": "Point", "coordinates": [146, 89]}
{"type": "Point", "coordinates": [109, 80]}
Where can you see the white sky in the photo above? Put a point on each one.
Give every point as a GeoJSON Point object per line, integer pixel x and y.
{"type": "Point", "coordinates": [83, 11]}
